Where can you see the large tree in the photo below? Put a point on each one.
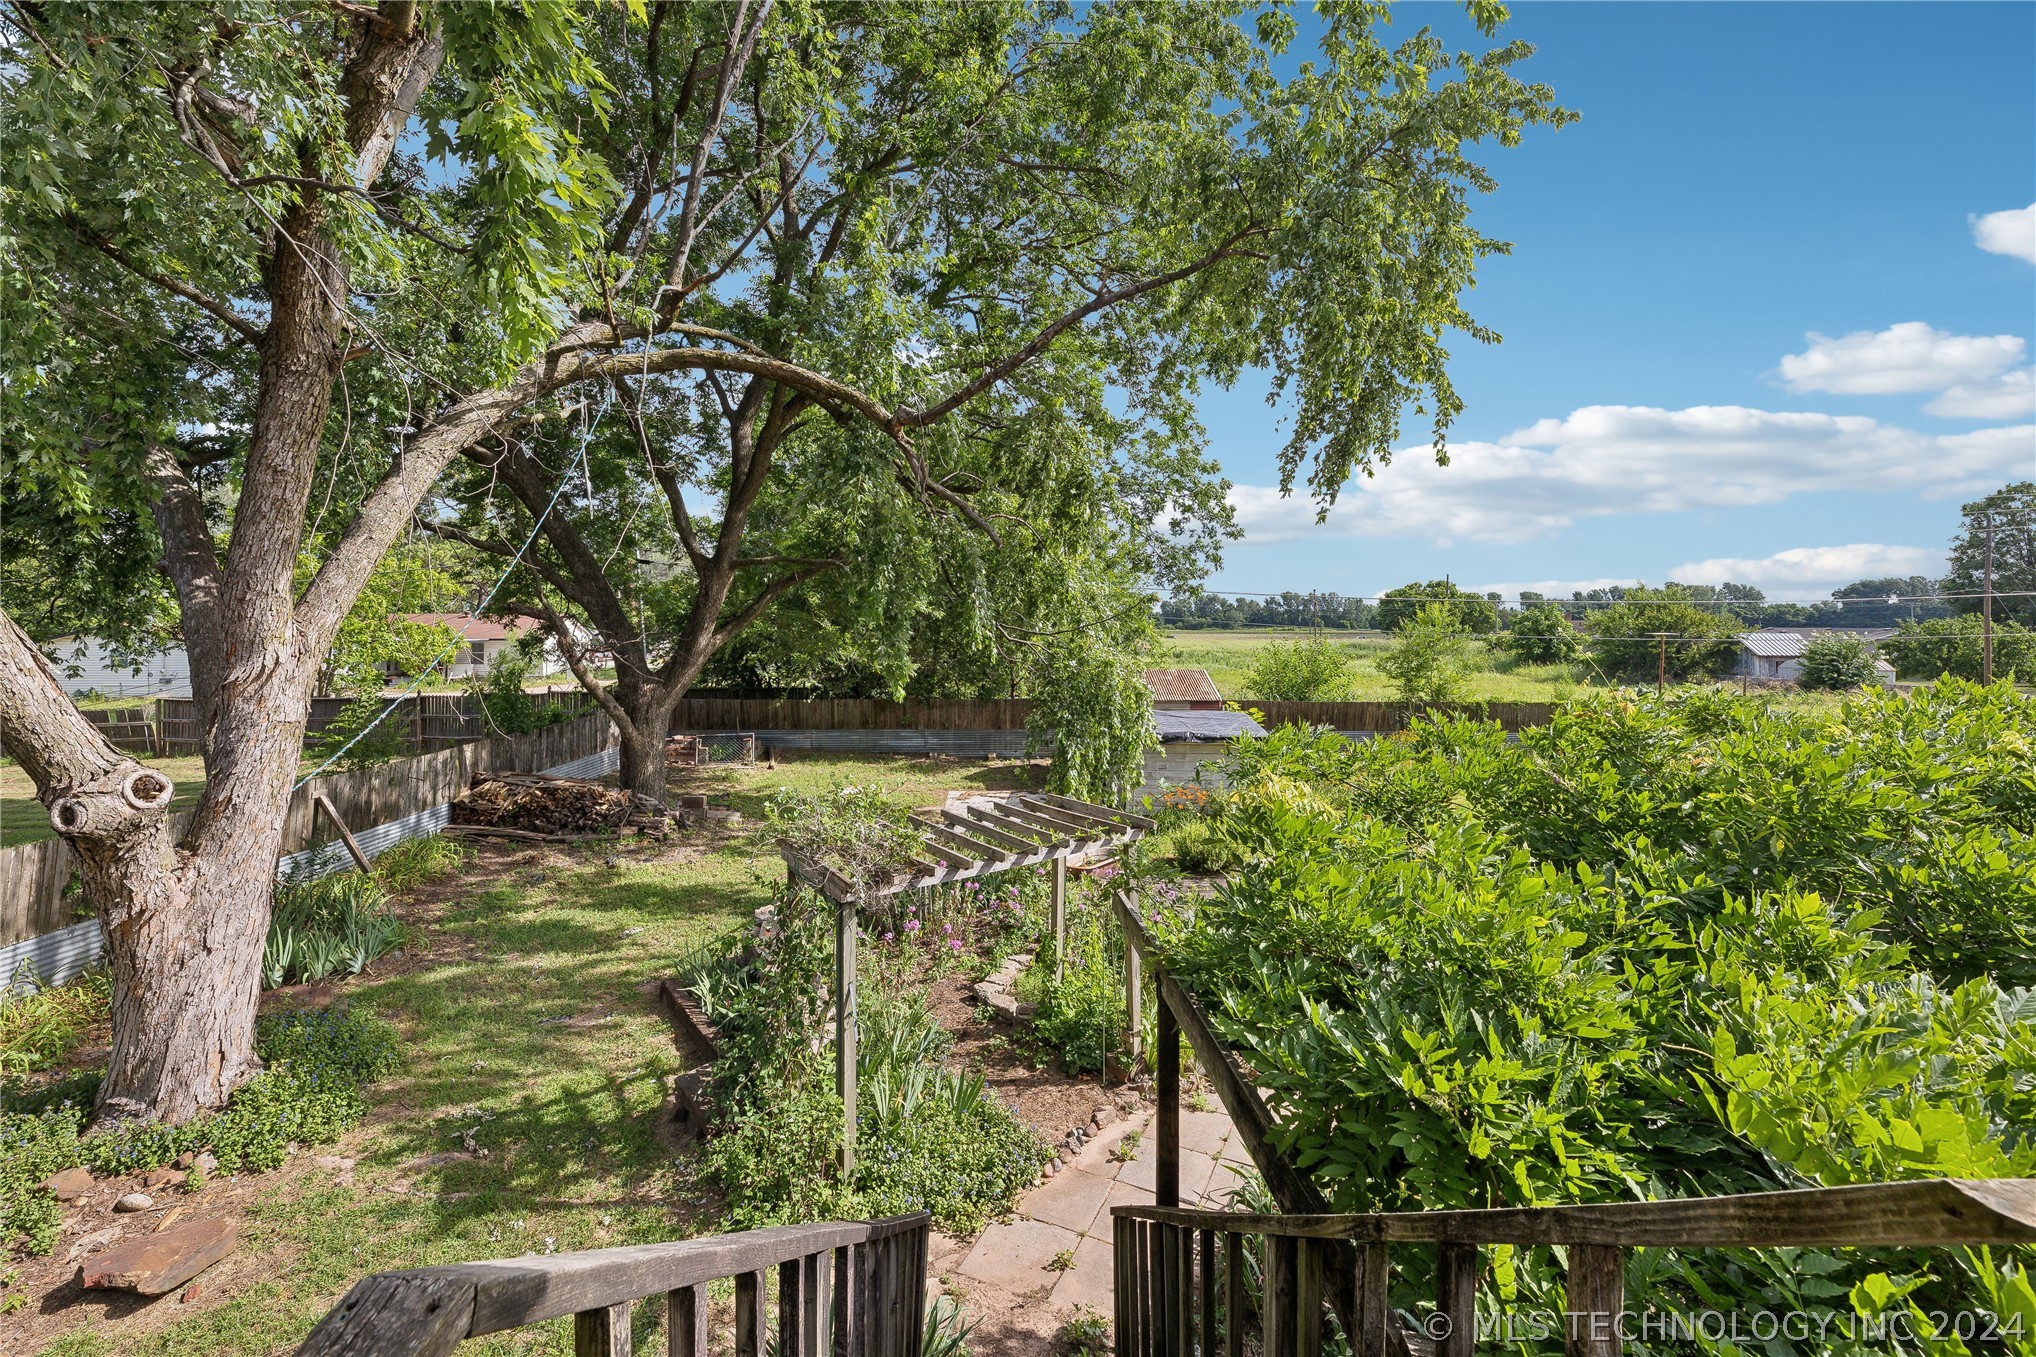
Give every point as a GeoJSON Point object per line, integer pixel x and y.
{"type": "Point", "coordinates": [812, 269]}
{"type": "Point", "coordinates": [943, 266]}
{"type": "Point", "coordinates": [2011, 510]}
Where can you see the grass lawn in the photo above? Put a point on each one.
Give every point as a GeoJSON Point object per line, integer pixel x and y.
{"type": "Point", "coordinates": [1228, 655]}
{"type": "Point", "coordinates": [526, 1002]}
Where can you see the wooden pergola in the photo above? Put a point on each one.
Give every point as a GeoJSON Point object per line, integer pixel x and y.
{"type": "Point", "coordinates": [971, 837]}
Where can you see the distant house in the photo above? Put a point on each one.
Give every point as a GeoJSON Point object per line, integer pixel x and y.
{"type": "Point", "coordinates": [484, 640]}
{"type": "Point", "coordinates": [91, 664]}
{"type": "Point", "coordinates": [1189, 740]}
{"type": "Point", "coordinates": [1183, 690]}
{"type": "Point", "coordinates": [1777, 656]}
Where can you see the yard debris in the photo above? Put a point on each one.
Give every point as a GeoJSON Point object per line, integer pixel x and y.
{"type": "Point", "coordinates": [551, 809]}
{"type": "Point", "coordinates": [155, 1264]}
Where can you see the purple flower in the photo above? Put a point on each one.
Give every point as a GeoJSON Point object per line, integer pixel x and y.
{"type": "Point", "coordinates": [911, 925]}
{"type": "Point", "coordinates": [889, 936]}
{"type": "Point", "coordinates": [947, 928]}
{"type": "Point", "coordinates": [954, 944]}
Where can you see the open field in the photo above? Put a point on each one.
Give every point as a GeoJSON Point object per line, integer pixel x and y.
{"type": "Point", "coordinates": [527, 1007]}
{"type": "Point", "coordinates": [1228, 655]}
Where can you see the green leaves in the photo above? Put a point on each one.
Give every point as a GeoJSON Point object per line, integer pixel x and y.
{"type": "Point", "coordinates": [1656, 948]}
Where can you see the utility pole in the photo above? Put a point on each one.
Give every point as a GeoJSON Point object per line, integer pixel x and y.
{"type": "Point", "coordinates": [1986, 606]}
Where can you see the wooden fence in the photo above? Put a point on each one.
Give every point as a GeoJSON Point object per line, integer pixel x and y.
{"type": "Point", "coordinates": [34, 876]}
{"type": "Point", "coordinates": [168, 726]}
{"type": "Point", "coordinates": [869, 713]}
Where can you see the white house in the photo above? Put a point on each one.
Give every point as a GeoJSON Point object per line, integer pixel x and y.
{"type": "Point", "coordinates": [483, 640]}
{"type": "Point", "coordinates": [91, 664]}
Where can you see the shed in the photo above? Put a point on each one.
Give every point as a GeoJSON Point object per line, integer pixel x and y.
{"type": "Point", "coordinates": [1183, 690]}
{"type": "Point", "coordinates": [1777, 656]}
{"type": "Point", "coordinates": [1188, 740]}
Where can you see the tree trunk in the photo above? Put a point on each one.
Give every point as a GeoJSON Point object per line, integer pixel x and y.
{"type": "Point", "coordinates": [648, 707]}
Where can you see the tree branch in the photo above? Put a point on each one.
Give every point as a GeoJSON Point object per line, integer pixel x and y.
{"type": "Point", "coordinates": [193, 566]}
{"type": "Point", "coordinates": [213, 307]}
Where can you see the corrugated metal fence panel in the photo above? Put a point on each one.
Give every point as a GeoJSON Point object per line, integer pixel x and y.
{"type": "Point", "coordinates": [51, 958]}
{"type": "Point", "coordinates": [382, 806]}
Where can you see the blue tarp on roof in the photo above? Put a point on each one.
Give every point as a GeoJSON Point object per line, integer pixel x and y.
{"type": "Point", "coordinates": [1204, 727]}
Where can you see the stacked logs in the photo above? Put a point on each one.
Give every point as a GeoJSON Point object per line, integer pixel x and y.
{"type": "Point", "coordinates": [530, 806]}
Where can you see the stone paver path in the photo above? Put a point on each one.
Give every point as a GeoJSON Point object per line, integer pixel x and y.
{"type": "Point", "coordinates": [1006, 1279]}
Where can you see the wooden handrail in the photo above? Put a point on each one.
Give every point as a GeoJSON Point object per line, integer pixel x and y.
{"type": "Point", "coordinates": [426, 1312]}
{"type": "Point", "coordinates": [1934, 1211]}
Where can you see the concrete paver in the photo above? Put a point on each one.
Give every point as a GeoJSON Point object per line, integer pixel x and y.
{"type": "Point", "coordinates": [1070, 1199]}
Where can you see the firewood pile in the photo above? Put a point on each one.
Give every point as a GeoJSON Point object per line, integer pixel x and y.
{"type": "Point", "coordinates": [528, 806]}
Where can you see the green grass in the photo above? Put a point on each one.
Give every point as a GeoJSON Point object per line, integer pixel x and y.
{"type": "Point", "coordinates": [1228, 655]}
{"type": "Point", "coordinates": [568, 1110]}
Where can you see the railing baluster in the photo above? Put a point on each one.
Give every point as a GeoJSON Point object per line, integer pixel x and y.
{"type": "Point", "coordinates": [812, 1306]}
{"type": "Point", "coordinates": [1180, 1287]}
{"type": "Point", "coordinates": [1147, 1347]}
{"type": "Point", "coordinates": [1167, 1057]}
{"type": "Point", "coordinates": [1597, 1294]}
{"type": "Point", "coordinates": [686, 1321]}
{"type": "Point", "coordinates": [1277, 1311]}
{"type": "Point", "coordinates": [749, 1314]}
{"type": "Point", "coordinates": [1120, 1282]}
{"type": "Point", "coordinates": [603, 1332]}
{"type": "Point", "coordinates": [1456, 1298]}
{"type": "Point", "coordinates": [792, 1335]}
{"type": "Point", "coordinates": [844, 1300]}
{"type": "Point", "coordinates": [1233, 1295]}
{"type": "Point", "coordinates": [922, 1241]}
{"type": "Point", "coordinates": [1308, 1280]}
{"type": "Point", "coordinates": [1373, 1314]}
{"type": "Point", "coordinates": [1207, 1239]}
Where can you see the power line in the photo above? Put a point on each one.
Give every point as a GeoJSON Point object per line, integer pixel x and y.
{"type": "Point", "coordinates": [475, 612]}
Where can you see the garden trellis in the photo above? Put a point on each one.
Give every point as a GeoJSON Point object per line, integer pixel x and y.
{"type": "Point", "coordinates": [970, 837]}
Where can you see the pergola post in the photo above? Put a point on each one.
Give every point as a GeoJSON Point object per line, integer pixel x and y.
{"type": "Point", "coordinates": [1058, 914]}
{"type": "Point", "coordinates": [844, 1029]}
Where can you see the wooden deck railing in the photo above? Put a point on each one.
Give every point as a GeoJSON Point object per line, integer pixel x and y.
{"type": "Point", "coordinates": [1182, 1288]}
{"type": "Point", "coordinates": [845, 1289]}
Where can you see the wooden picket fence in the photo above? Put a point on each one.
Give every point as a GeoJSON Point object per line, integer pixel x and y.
{"type": "Point", "coordinates": [168, 726]}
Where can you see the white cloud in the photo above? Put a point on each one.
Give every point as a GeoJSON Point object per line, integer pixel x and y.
{"type": "Point", "coordinates": [1813, 572]}
{"type": "Point", "coordinates": [1910, 356]}
{"type": "Point", "coordinates": [1627, 459]}
{"type": "Point", "coordinates": [2012, 232]}
{"type": "Point", "coordinates": [2012, 395]}
{"type": "Point", "coordinates": [1550, 588]}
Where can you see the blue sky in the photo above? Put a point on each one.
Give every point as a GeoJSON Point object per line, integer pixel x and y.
{"type": "Point", "coordinates": [1744, 177]}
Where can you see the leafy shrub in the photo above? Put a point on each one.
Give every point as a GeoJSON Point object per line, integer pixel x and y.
{"type": "Point", "coordinates": [1956, 645]}
{"type": "Point", "coordinates": [928, 1138]}
{"type": "Point", "coordinates": [508, 708]}
{"type": "Point", "coordinates": [361, 736]}
{"type": "Point", "coordinates": [39, 1026]}
{"type": "Point", "coordinates": [1315, 669]}
{"type": "Point", "coordinates": [1836, 663]}
{"type": "Point", "coordinates": [1428, 662]}
{"type": "Point", "coordinates": [1092, 708]}
{"type": "Point", "coordinates": [1542, 635]}
{"type": "Point", "coordinates": [318, 1064]}
{"type": "Point", "coordinates": [1471, 612]}
{"type": "Point", "coordinates": [336, 924]}
{"type": "Point", "coordinates": [1080, 1018]}
{"type": "Point", "coordinates": [1700, 641]}
{"type": "Point", "coordinates": [1657, 948]}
